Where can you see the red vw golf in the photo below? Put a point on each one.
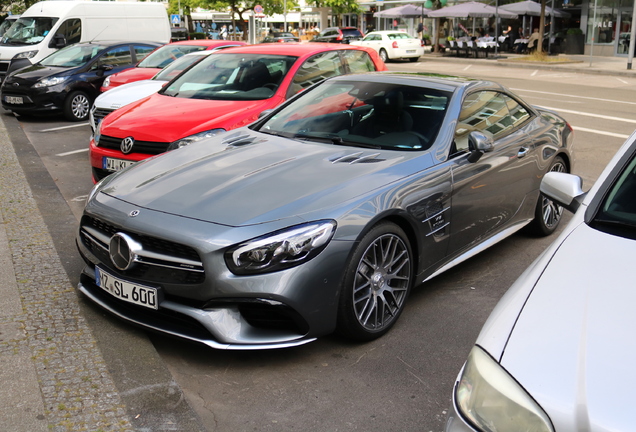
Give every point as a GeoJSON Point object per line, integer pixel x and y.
{"type": "Point", "coordinates": [222, 92]}
{"type": "Point", "coordinates": [162, 57]}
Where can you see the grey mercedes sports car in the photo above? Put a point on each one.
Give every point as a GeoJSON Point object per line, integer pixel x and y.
{"type": "Point", "coordinates": [322, 215]}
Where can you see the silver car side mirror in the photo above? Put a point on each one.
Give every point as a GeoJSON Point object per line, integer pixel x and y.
{"type": "Point", "coordinates": [565, 189]}
{"type": "Point", "coordinates": [478, 144]}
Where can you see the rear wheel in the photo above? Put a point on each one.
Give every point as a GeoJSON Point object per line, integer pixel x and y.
{"type": "Point", "coordinates": [547, 214]}
{"type": "Point", "coordinates": [383, 55]}
{"type": "Point", "coordinates": [77, 106]}
{"type": "Point", "coordinates": [377, 282]}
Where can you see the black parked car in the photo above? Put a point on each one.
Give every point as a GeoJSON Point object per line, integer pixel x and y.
{"type": "Point", "coordinates": [338, 35]}
{"type": "Point", "coordinates": [69, 79]}
{"type": "Point", "coordinates": [276, 37]}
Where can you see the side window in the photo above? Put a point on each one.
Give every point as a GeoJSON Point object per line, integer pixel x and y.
{"type": "Point", "coordinates": [141, 51]}
{"type": "Point", "coordinates": [518, 113]}
{"type": "Point", "coordinates": [484, 111]}
{"type": "Point", "coordinates": [316, 69]}
{"type": "Point", "coordinates": [119, 56]}
{"type": "Point", "coordinates": [71, 29]}
{"type": "Point", "coordinates": [358, 61]}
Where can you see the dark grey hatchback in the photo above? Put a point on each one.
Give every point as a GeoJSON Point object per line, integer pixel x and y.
{"type": "Point", "coordinates": [69, 80]}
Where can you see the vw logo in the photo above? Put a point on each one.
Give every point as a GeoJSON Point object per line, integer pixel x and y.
{"type": "Point", "coordinates": [127, 145]}
{"type": "Point", "coordinates": [123, 251]}
{"type": "Point", "coordinates": [134, 213]}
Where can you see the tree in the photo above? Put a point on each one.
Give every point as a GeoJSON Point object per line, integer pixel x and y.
{"type": "Point", "coordinates": [338, 6]}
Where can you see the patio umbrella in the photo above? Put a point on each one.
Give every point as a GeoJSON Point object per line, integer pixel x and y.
{"type": "Point", "coordinates": [405, 11]}
{"type": "Point", "coordinates": [470, 10]}
{"type": "Point", "coordinates": [532, 8]}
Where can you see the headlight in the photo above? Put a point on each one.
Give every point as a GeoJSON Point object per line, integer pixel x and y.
{"type": "Point", "coordinates": [48, 82]}
{"type": "Point", "coordinates": [280, 250]}
{"type": "Point", "coordinates": [194, 138]}
{"type": "Point", "coordinates": [98, 133]}
{"type": "Point", "coordinates": [106, 81]}
{"type": "Point", "coordinates": [25, 55]}
{"type": "Point", "coordinates": [489, 398]}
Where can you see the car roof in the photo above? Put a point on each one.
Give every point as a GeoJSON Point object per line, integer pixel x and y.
{"type": "Point", "coordinates": [422, 78]}
{"type": "Point", "coordinates": [111, 43]}
{"type": "Point", "coordinates": [207, 42]}
{"type": "Point", "coordinates": [291, 48]}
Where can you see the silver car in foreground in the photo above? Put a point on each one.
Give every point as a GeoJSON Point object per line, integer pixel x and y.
{"type": "Point", "coordinates": [555, 354]}
{"type": "Point", "coordinates": [323, 214]}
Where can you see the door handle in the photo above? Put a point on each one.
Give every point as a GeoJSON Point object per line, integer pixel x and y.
{"type": "Point", "coordinates": [522, 152]}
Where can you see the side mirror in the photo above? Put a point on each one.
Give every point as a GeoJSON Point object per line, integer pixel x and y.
{"type": "Point", "coordinates": [58, 41]}
{"type": "Point", "coordinates": [265, 113]}
{"type": "Point", "coordinates": [563, 188]}
{"type": "Point", "coordinates": [478, 144]}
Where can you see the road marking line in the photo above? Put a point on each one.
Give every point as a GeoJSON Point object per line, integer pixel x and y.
{"type": "Point", "coordinates": [623, 81]}
{"type": "Point", "coordinates": [594, 131]}
{"type": "Point", "coordinates": [64, 127]}
{"type": "Point", "coordinates": [467, 67]}
{"type": "Point", "coordinates": [591, 115]}
{"type": "Point", "coordinates": [72, 152]}
{"type": "Point", "coordinates": [571, 96]}
{"type": "Point", "coordinates": [534, 73]}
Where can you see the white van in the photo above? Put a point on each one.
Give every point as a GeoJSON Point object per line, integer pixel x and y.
{"type": "Point", "coordinates": [49, 25]}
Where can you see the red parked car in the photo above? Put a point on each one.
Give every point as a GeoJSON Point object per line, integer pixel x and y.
{"type": "Point", "coordinates": [224, 91]}
{"type": "Point", "coordinates": [162, 57]}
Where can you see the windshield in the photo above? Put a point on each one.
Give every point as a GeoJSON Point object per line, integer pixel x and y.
{"type": "Point", "coordinates": [232, 77]}
{"type": "Point", "coordinates": [364, 114]}
{"type": "Point", "coordinates": [73, 56]}
{"type": "Point", "coordinates": [29, 31]}
{"type": "Point", "coordinates": [5, 25]}
{"type": "Point", "coordinates": [162, 57]}
{"type": "Point", "coordinates": [617, 213]}
{"type": "Point", "coordinates": [176, 67]}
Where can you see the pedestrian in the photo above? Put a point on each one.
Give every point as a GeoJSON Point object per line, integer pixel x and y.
{"type": "Point", "coordinates": [223, 32]}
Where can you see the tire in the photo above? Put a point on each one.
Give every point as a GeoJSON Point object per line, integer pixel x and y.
{"type": "Point", "coordinates": [413, 59]}
{"type": "Point", "coordinates": [377, 282]}
{"type": "Point", "coordinates": [77, 106]}
{"type": "Point", "coordinates": [547, 214]}
{"type": "Point", "coordinates": [383, 55]}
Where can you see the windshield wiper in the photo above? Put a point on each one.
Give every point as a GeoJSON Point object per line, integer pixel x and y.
{"type": "Point", "coordinates": [615, 223]}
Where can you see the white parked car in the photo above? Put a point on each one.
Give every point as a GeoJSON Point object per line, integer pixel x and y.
{"type": "Point", "coordinates": [556, 353]}
{"type": "Point", "coordinates": [116, 98]}
{"type": "Point", "coordinates": [393, 44]}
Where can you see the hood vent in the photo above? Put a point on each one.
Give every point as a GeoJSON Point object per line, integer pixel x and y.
{"type": "Point", "coordinates": [355, 158]}
{"type": "Point", "coordinates": [239, 140]}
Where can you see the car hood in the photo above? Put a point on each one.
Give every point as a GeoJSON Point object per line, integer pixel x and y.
{"type": "Point", "coordinates": [133, 74]}
{"type": "Point", "coordinates": [244, 177]}
{"type": "Point", "coordinates": [572, 346]}
{"type": "Point", "coordinates": [162, 118]}
{"type": "Point", "coordinates": [128, 93]}
{"type": "Point", "coordinates": [37, 71]}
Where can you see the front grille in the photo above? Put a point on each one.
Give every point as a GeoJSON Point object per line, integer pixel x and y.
{"type": "Point", "coordinates": [99, 173]}
{"type": "Point", "coordinates": [161, 261]}
{"type": "Point", "coordinates": [146, 147]}
{"type": "Point", "coordinates": [100, 113]}
{"type": "Point", "coordinates": [4, 67]}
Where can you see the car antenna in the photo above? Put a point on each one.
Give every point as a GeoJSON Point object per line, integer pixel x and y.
{"type": "Point", "coordinates": [91, 41]}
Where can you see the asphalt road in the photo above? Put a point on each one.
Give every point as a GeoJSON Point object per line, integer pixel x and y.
{"type": "Point", "coordinates": [401, 382]}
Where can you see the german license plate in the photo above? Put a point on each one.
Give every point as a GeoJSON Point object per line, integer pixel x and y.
{"type": "Point", "coordinates": [112, 164]}
{"type": "Point", "coordinates": [410, 51]}
{"type": "Point", "coordinates": [127, 291]}
{"type": "Point", "coordinates": [15, 100]}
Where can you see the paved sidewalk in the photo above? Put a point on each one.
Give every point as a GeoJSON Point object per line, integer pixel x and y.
{"type": "Point", "coordinates": [54, 376]}
{"type": "Point", "coordinates": [609, 66]}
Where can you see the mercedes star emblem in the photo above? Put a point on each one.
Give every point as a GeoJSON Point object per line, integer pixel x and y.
{"type": "Point", "coordinates": [123, 251]}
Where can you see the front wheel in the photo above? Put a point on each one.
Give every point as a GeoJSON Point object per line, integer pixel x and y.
{"type": "Point", "coordinates": [547, 214]}
{"type": "Point", "coordinates": [383, 55]}
{"type": "Point", "coordinates": [376, 284]}
{"type": "Point", "coordinates": [77, 106]}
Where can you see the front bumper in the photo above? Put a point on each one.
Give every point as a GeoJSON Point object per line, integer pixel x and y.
{"type": "Point", "coordinates": [35, 101]}
{"type": "Point", "coordinates": [219, 309]}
